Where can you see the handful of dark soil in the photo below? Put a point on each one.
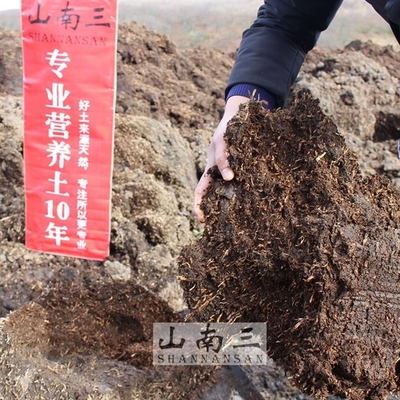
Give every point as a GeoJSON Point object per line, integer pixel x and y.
{"type": "Point", "coordinates": [299, 239]}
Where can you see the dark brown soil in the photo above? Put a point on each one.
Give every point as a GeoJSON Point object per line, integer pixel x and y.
{"type": "Point", "coordinates": [100, 329]}
{"type": "Point", "coordinates": [114, 319]}
{"type": "Point", "coordinates": [299, 239]}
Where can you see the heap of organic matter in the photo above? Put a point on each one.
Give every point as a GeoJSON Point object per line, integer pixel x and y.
{"type": "Point", "coordinates": [90, 337]}
{"type": "Point", "coordinates": [299, 239]}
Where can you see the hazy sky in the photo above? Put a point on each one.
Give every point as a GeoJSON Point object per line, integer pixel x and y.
{"type": "Point", "coordinates": [8, 4]}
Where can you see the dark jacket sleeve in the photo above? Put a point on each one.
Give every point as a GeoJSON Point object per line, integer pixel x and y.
{"type": "Point", "coordinates": [274, 47]}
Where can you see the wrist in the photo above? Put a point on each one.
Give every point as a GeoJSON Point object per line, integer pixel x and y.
{"type": "Point", "coordinates": [232, 105]}
{"type": "Point", "coordinates": [252, 91]}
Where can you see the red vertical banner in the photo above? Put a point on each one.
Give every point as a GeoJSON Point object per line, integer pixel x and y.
{"type": "Point", "coordinates": [69, 59]}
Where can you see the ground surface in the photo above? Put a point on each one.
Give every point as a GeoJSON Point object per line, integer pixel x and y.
{"type": "Point", "coordinates": [168, 104]}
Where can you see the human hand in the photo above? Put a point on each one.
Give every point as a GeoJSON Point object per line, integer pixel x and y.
{"type": "Point", "coordinates": [217, 155]}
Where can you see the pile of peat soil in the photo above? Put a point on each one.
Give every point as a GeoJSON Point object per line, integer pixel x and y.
{"type": "Point", "coordinates": [300, 240]}
{"type": "Point", "coordinates": [90, 337]}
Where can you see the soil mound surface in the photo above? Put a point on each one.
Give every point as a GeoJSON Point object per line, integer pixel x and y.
{"type": "Point", "coordinates": [89, 338]}
{"type": "Point", "coordinates": [299, 239]}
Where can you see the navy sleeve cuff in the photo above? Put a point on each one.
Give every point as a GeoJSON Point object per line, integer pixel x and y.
{"type": "Point", "coordinates": [257, 93]}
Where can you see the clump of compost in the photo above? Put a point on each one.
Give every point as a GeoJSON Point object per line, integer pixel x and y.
{"type": "Point", "coordinates": [300, 240]}
{"type": "Point", "coordinates": [113, 319]}
{"type": "Point", "coordinates": [91, 337]}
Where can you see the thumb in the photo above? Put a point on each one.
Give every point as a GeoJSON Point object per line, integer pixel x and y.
{"type": "Point", "coordinates": [201, 189]}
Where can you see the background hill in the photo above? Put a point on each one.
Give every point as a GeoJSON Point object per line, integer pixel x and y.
{"type": "Point", "coordinates": [212, 24]}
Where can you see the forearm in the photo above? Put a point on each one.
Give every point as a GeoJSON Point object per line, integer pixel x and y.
{"type": "Point", "coordinates": [274, 47]}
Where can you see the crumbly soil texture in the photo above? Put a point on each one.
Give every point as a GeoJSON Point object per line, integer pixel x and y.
{"type": "Point", "coordinates": [301, 240]}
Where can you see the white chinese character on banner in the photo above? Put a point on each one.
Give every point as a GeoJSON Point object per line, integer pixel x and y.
{"type": "Point", "coordinates": [84, 117]}
{"type": "Point", "coordinates": [83, 183]}
{"type": "Point", "coordinates": [58, 123]}
{"type": "Point", "coordinates": [81, 223]}
{"type": "Point", "coordinates": [81, 194]}
{"type": "Point", "coordinates": [83, 149]}
{"type": "Point", "coordinates": [81, 235]}
{"type": "Point", "coordinates": [81, 204]}
{"type": "Point", "coordinates": [81, 244]}
{"type": "Point", "coordinates": [81, 214]}
{"type": "Point", "coordinates": [84, 105]}
{"type": "Point", "coordinates": [84, 139]}
{"type": "Point", "coordinates": [59, 60]}
{"type": "Point", "coordinates": [57, 95]}
{"type": "Point", "coordinates": [60, 151]}
{"type": "Point", "coordinates": [57, 183]}
{"type": "Point", "coordinates": [57, 233]}
{"type": "Point", "coordinates": [84, 128]}
{"type": "Point", "coordinates": [83, 162]}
